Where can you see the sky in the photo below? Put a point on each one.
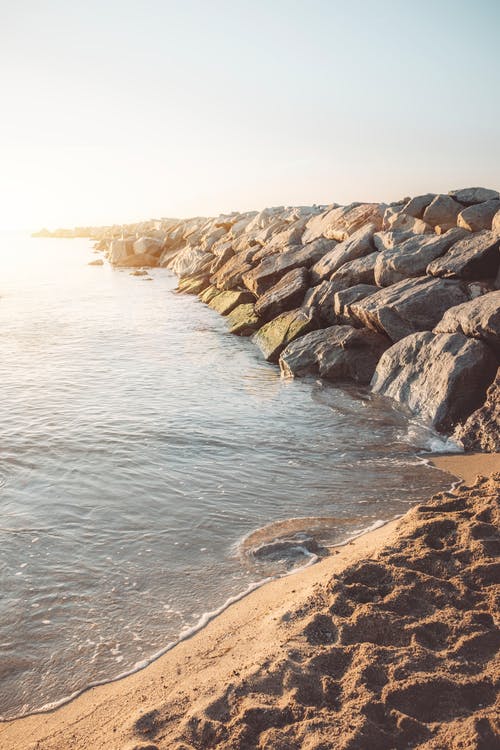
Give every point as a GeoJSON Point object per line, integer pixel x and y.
{"type": "Point", "coordinates": [117, 111]}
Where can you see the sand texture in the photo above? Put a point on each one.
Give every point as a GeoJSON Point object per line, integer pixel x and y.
{"type": "Point", "coordinates": [390, 643]}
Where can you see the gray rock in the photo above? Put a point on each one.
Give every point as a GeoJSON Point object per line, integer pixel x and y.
{"type": "Point", "coordinates": [399, 221]}
{"type": "Point", "coordinates": [339, 222]}
{"type": "Point", "coordinates": [358, 245]}
{"type": "Point", "coordinates": [225, 302]}
{"type": "Point", "coordinates": [411, 258]}
{"type": "Point", "coordinates": [270, 270]}
{"type": "Point", "coordinates": [148, 246]}
{"type": "Point", "coordinates": [191, 261]}
{"type": "Point", "coordinates": [287, 294]}
{"type": "Point", "coordinates": [231, 273]}
{"type": "Point", "coordinates": [473, 195]}
{"type": "Point", "coordinates": [320, 300]}
{"type": "Point", "coordinates": [390, 239]}
{"type": "Point", "coordinates": [335, 353]}
{"type": "Point", "coordinates": [442, 210]}
{"type": "Point", "coordinates": [481, 430]}
{"type": "Point", "coordinates": [359, 271]}
{"type": "Point", "coordinates": [278, 333]}
{"type": "Point", "coordinates": [475, 257]}
{"type": "Point", "coordinates": [442, 378]}
{"type": "Point", "coordinates": [409, 306]}
{"type": "Point", "coordinates": [416, 206]}
{"type": "Point", "coordinates": [221, 258]}
{"type": "Point", "coordinates": [478, 319]}
{"type": "Point", "coordinates": [343, 300]}
{"type": "Point", "coordinates": [480, 216]}
{"type": "Point", "coordinates": [120, 249]}
{"type": "Point", "coordinates": [495, 224]}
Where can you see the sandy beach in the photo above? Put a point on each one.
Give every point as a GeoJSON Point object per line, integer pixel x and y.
{"type": "Point", "coordinates": [388, 642]}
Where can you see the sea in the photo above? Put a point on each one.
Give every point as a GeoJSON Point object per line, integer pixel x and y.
{"type": "Point", "coordinates": [154, 468]}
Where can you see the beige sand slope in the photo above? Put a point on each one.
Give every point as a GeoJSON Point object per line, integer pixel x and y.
{"type": "Point", "coordinates": [388, 644]}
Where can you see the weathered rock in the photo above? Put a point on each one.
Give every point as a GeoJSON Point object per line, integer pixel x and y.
{"type": "Point", "coordinates": [221, 258]}
{"type": "Point", "coordinates": [231, 273]}
{"type": "Point", "coordinates": [411, 258]}
{"type": "Point", "coordinates": [478, 217]}
{"type": "Point", "coordinates": [270, 270]}
{"type": "Point", "coordinates": [134, 261]}
{"type": "Point", "coordinates": [343, 300]}
{"type": "Point", "coordinates": [148, 246]}
{"type": "Point", "coordinates": [399, 221]}
{"type": "Point", "coordinates": [495, 224]}
{"type": "Point", "coordinates": [409, 306]}
{"type": "Point", "coordinates": [417, 205]}
{"type": "Point", "coordinates": [441, 378]}
{"type": "Point", "coordinates": [387, 240]}
{"type": "Point", "coordinates": [191, 261]}
{"type": "Point", "coordinates": [481, 430]}
{"type": "Point", "coordinates": [358, 245]}
{"type": "Point", "coordinates": [320, 300]}
{"type": "Point", "coordinates": [98, 262]}
{"type": "Point", "coordinates": [192, 285]}
{"type": "Point", "coordinates": [335, 353]}
{"type": "Point", "coordinates": [473, 195]}
{"type": "Point", "coordinates": [478, 319]}
{"type": "Point", "coordinates": [278, 333]}
{"type": "Point", "coordinates": [208, 294]}
{"type": "Point", "coordinates": [442, 210]}
{"type": "Point", "coordinates": [359, 271]}
{"type": "Point", "coordinates": [339, 222]}
{"type": "Point", "coordinates": [243, 321]}
{"type": "Point", "coordinates": [212, 237]}
{"type": "Point", "coordinates": [225, 302]}
{"type": "Point", "coordinates": [120, 249]}
{"type": "Point", "coordinates": [474, 257]}
{"type": "Point", "coordinates": [287, 294]}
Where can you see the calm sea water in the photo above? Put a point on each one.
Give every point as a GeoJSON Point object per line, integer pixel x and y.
{"type": "Point", "coordinates": [140, 444]}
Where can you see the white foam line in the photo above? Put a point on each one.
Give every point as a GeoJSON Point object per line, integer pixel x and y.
{"type": "Point", "coordinates": [189, 632]}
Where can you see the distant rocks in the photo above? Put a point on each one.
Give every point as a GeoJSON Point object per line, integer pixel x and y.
{"type": "Point", "coordinates": [404, 295]}
{"type": "Point", "coordinates": [97, 262]}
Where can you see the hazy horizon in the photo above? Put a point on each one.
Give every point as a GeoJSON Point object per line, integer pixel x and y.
{"type": "Point", "coordinates": [143, 110]}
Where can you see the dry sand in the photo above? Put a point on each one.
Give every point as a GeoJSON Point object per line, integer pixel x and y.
{"type": "Point", "coordinates": [389, 643]}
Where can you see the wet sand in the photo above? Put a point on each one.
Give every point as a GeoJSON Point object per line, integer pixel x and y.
{"type": "Point", "coordinates": [389, 642]}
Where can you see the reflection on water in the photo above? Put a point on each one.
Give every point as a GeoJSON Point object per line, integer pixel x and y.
{"type": "Point", "coordinates": [140, 443]}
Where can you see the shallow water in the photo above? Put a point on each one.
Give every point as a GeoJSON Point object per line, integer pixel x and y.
{"type": "Point", "coordinates": [140, 444]}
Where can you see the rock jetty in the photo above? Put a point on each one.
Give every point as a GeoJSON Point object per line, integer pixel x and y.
{"type": "Point", "coordinates": [402, 296]}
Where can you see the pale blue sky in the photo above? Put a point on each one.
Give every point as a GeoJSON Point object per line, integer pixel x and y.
{"type": "Point", "coordinates": [117, 111]}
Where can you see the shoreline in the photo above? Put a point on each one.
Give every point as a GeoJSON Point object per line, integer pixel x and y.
{"type": "Point", "coordinates": [225, 642]}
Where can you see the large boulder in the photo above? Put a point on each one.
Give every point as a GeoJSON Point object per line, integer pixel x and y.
{"type": "Point", "coordinates": [270, 270]}
{"type": "Point", "coordinates": [409, 306]}
{"type": "Point", "coordinates": [480, 432]}
{"type": "Point", "coordinates": [339, 222]}
{"type": "Point", "coordinates": [287, 294]}
{"type": "Point", "coordinates": [473, 195]}
{"type": "Point", "coordinates": [359, 271]}
{"type": "Point", "coordinates": [476, 256]}
{"type": "Point", "coordinates": [278, 333]}
{"type": "Point", "coordinates": [120, 249]}
{"type": "Point", "coordinates": [231, 273]}
{"type": "Point", "coordinates": [411, 258]}
{"type": "Point", "coordinates": [399, 221]}
{"type": "Point", "coordinates": [442, 210]}
{"type": "Point", "coordinates": [495, 224]}
{"type": "Point", "coordinates": [392, 238]}
{"type": "Point", "coordinates": [441, 378]}
{"type": "Point", "coordinates": [148, 246]}
{"type": "Point", "coordinates": [225, 302]}
{"type": "Point", "coordinates": [335, 353]}
{"type": "Point", "coordinates": [478, 319]}
{"type": "Point", "coordinates": [343, 300]}
{"type": "Point", "coordinates": [191, 261]}
{"type": "Point", "coordinates": [243, 321]}
{"type": "Point", "coordinates": [320, 300]}
{"type": "Point", "coordinates": [417, 205]}
{"type": "Point", "coordinates": [477, 217]}
{"type": "Point", "coordinates": [356, 246]}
